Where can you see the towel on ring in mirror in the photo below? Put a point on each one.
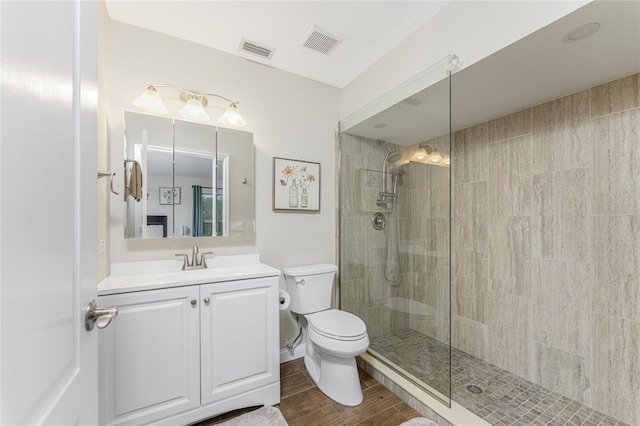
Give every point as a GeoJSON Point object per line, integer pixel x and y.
{"type": "Point", "coordinates": [135, 181]}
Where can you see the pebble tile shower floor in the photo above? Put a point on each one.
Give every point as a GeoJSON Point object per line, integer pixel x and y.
{"type": "Point", "coordinates": [506, 398]}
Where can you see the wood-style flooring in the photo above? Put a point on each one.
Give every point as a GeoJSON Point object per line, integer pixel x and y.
{"type": "Point", "coordinates": [303, 404]}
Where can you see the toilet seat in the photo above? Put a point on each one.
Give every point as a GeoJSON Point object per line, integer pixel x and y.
{"type": "Point", "coordinates": [338, 325]}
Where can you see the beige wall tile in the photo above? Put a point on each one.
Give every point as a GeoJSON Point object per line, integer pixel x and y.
{"type": "Point", "coordinates": [379, 321]}
{"type": "Point", "coordinates": [354, 296]}
{"type": "Point", "coordinates": [510, 177]}
{"type": "Point", "coordinates": [616, 266]}
{"type": "Point", "coordinates": [510, 126]}
{"type": "Point", "coordinates": [438, 190]}
{"type": "Point", "coordinates": [510, 255]}
{"type": "Point", "coordinates": [471, 270]}
{"type": "Point", "coordinates": [561, 134]}
{"type": "Point", "coordinates": [470, 224]}
{"type": "Point", "coordinates": [562, 372]}
{"type": "Point", "coordinates": [350, 144]}
{"type": "Point", "coordinates": [616, 96]}
{"type": "Point", "coordinates": [561, 215]}
{"type": "Point", "coordinates": [616, 367]}
{"type": "Point", "coordinates": [470, 336]}
{"type": "Point", "coordinates": [561, 306]}
{"type": "Point", "coordinates": [509, 327]}
{"type": "Point", "coordinates": [352, 190]}
{"type": "Point", "coordinates": [415, 176]}
{"type": "Point", "coordinates": [470, 154]}
{"type": "Point", "coordinates": [616, 174]}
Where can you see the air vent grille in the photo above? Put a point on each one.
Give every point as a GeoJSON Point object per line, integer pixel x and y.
{"type": "Point", "coordinates": [256, 49]}
{"type": "Point", "coordinates": [321, 41]}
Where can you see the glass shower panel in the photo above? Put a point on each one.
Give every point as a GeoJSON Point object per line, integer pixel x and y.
{"type": "Point", "coordinates": [395, 209]}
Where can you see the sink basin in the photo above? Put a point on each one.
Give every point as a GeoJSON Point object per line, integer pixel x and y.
{"type": "Point", "coordinates": [194, 274]}
{"type": "Point", "coordinates": [157, 274]}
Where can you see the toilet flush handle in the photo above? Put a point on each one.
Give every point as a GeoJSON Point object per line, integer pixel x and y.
{"type": "Point", "coordinates": [300, 281]}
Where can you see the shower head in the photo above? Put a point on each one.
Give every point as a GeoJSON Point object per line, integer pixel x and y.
{"type": "Point", "coordinates": [391, 155]}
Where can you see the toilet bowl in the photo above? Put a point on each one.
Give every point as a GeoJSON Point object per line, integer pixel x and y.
{"type": "Point", "coordinates": [334, 337]}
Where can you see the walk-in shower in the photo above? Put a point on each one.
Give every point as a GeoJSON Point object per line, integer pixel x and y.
{"type": "Point", "coordinates": [501, 296]}
{"type": "Point", "coordinates": [394, 234]}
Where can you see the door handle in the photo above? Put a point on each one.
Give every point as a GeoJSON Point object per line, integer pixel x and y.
{"type": "Point", "coordinates": [98, 316]}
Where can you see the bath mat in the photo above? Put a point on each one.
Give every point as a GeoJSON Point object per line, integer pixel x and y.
{"type": "Point", "coordinates": [265, 416]}
{"type": "Point", "coordinates": [419, 421]}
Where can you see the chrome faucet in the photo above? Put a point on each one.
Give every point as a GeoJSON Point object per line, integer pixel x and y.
{"type": "Point", "coordinates": [195, 263]}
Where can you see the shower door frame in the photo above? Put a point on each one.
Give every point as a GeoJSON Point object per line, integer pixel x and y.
{"type": "Point", "coordinates": [416, 84]}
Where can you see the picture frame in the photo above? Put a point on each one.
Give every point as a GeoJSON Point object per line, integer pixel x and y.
{"type": "Point", "coordinates": [296, 185]}
{"type": "Point", "coordinates": [170, 196]}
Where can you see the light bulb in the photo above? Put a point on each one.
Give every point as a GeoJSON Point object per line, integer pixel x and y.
{"type": "Point", "coordinates": [232, 117]}
{"type": "Point", "coordinates": [421, 153]}
{"type": "Point", "coordinates": [193, 110]}
{"type": "Point", "coordinates": [150, 101]}
{"type": "Point", "coordinates": [435, 157]}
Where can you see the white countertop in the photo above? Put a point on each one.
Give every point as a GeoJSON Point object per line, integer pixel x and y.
{"type": "Point", "coordinates": [157, 274]}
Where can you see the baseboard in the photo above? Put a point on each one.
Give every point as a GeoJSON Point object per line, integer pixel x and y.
{"type": "Point", "coordinates": [291, 354]}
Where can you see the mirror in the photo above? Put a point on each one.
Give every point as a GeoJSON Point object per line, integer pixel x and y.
{"type": "Point", "coordinates": [197, 179]}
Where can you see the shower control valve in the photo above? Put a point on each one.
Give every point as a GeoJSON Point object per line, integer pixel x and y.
{"type": "Point", "coordinates": [378, 221]}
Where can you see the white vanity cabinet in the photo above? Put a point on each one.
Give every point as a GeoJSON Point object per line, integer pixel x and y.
{"type": "Point", "coordinates": [183, 354]}
{"type": "Point", "coordinates": [150, 356]}
{"type": "Point", "coordinates": [238, 323]}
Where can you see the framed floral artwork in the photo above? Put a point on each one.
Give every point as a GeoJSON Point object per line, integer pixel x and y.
{"type": "Point", "coordinates": [169, 195]}
{"type": "Point", "coordinates": [296, 185]}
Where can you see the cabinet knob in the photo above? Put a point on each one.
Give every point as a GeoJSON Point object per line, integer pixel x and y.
{"type": "Point", "coordinates": [194, 302]}
{"type": "Point", "coordinates": [206, 300]}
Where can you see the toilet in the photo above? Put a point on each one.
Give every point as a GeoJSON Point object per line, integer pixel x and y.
{"type": "Point", "coordinates": [334, 337]}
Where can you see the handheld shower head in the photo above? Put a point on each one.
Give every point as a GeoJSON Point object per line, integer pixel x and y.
{"type": "Point", "coordinates": [391, 155]}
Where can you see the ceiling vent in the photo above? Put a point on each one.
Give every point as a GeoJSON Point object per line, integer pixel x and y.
{"type": "Point", "coordinates": [256, 49]}
{"type": "Point", "coordinates": [320, 40]}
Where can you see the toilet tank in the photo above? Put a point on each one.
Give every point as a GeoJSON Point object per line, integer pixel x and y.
{"type": "Point", "coordinates": [310, 287]}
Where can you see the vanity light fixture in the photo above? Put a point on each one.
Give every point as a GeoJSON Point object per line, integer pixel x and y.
{"type": "Point", "coordinates": [151, 101]}
{"type": "Point", "coordinates": [194, 105]}
{"type": "Point", "coordinates": [430, 155]}
{"type": "Point", "coordinates": [420, 153]}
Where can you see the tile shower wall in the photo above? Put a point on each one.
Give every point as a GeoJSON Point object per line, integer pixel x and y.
{"type": "Point", "coordinates": [421, 300]}
{"type": "Point", "coordinates": [546, 245]}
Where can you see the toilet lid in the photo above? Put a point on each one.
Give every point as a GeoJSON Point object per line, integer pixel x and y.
{"type": "Point", "coordinates": [338, 324]}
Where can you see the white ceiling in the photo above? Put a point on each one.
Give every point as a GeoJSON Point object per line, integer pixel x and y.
{"type": "Point", "coordinates": [370, 29]}
{"type": "Point", "coordinates": [531, 71]}
{"type": "Point", "coordinates": [536, 69]}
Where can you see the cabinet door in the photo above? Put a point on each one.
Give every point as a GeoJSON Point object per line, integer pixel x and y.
{"type": "Point", "coordinates": [239, 332]}
{"type": "Point", "coordinates": [150, 360]}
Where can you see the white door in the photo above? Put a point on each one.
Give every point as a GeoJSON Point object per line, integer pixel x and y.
{"type": "Point", "coordinates": [48, 361]}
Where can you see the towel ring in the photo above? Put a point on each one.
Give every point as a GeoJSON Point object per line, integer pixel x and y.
{"type": "Point", "coordinates": [102, 173]}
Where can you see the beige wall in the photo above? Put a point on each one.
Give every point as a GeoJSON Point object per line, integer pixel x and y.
{"type": "Point", "coordinates": [546, 243]}
{"type": "Point", "coordinates": [290, 117]}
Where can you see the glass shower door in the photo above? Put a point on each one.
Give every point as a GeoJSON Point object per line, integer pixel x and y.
{"type": "Point", "coordinates": [395, 232]}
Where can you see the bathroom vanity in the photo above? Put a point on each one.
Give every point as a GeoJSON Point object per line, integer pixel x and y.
{"type": "Point", "coordinates": [188, 345]}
